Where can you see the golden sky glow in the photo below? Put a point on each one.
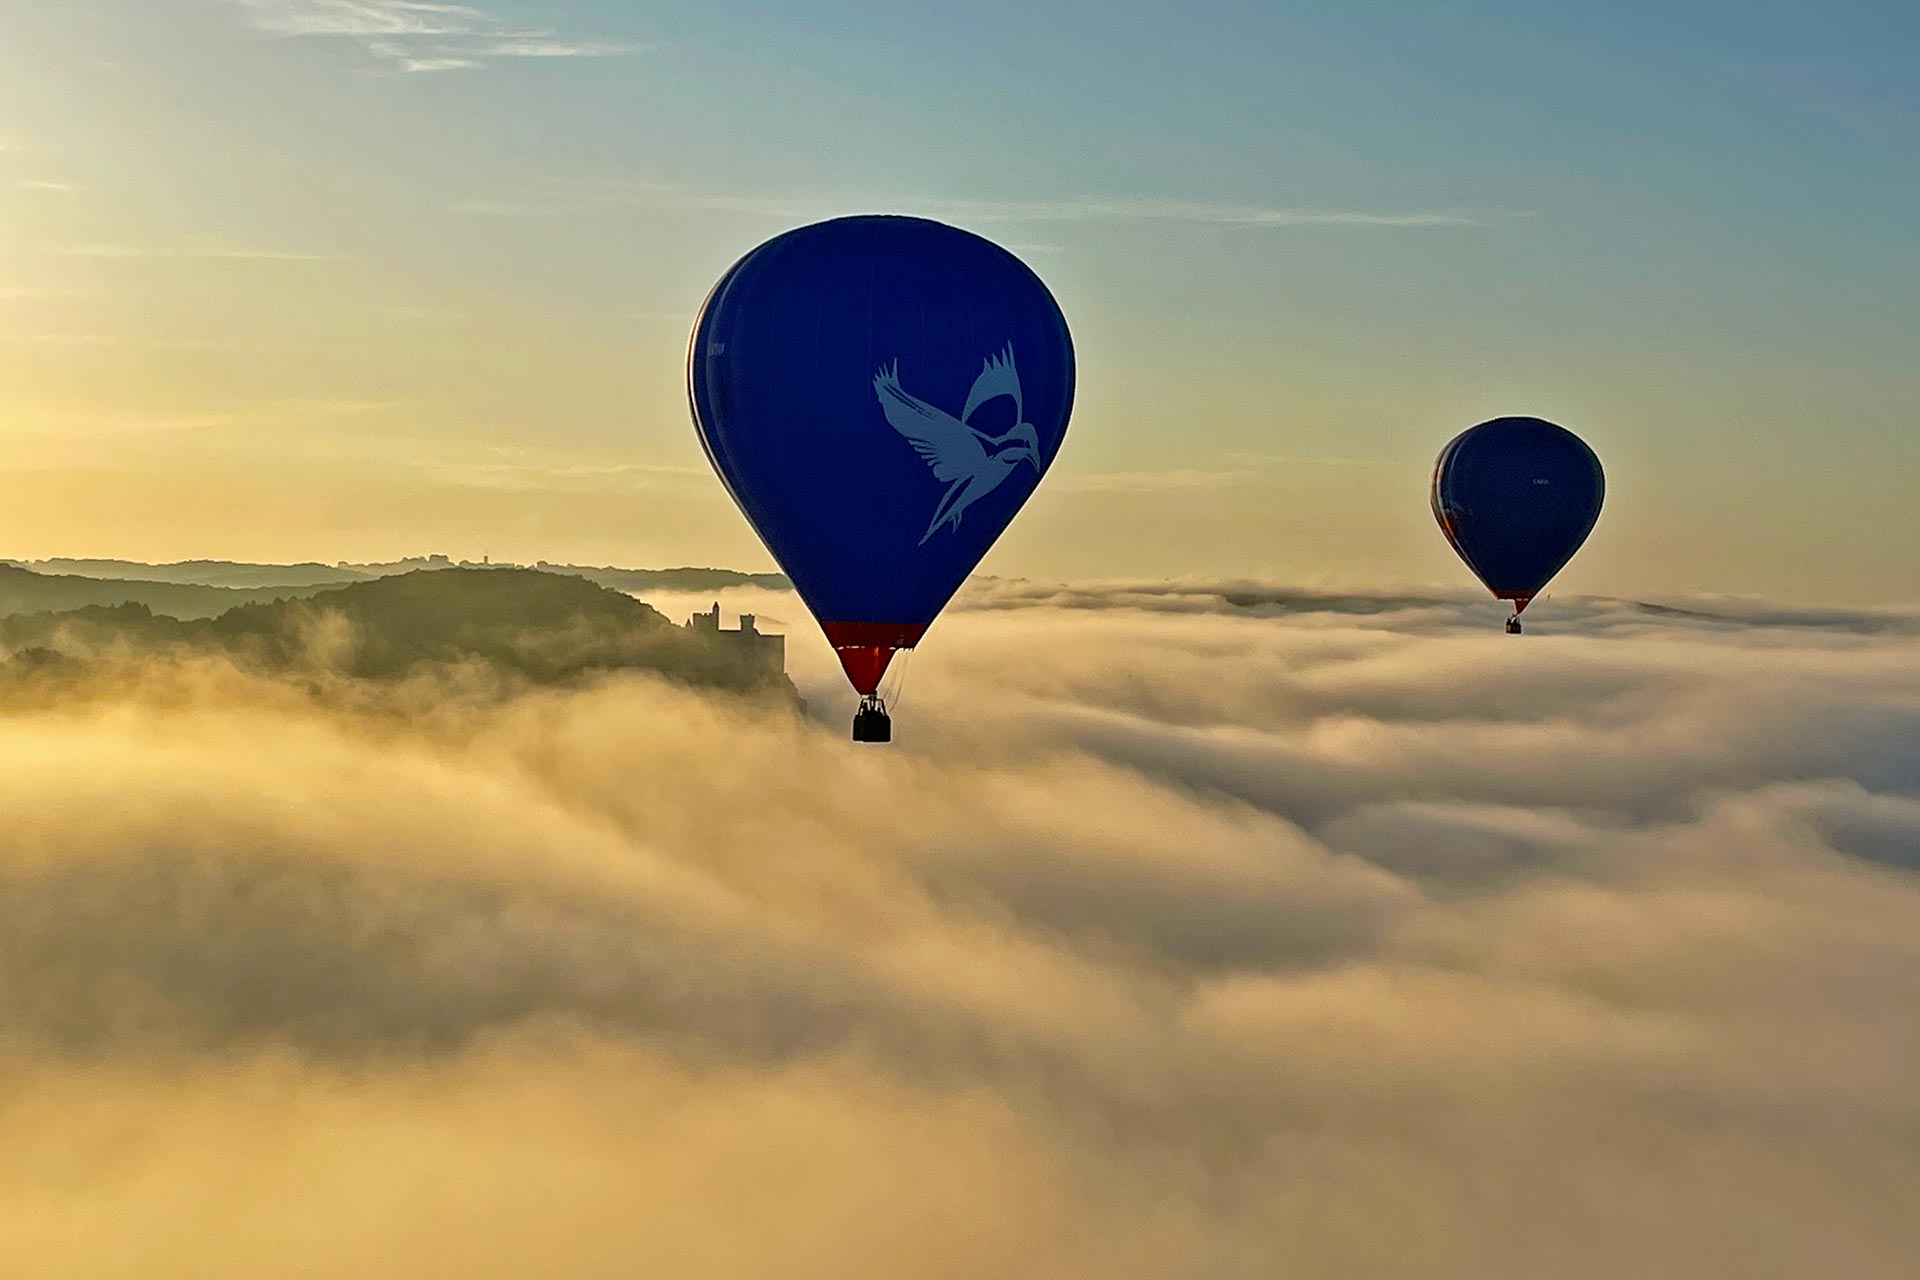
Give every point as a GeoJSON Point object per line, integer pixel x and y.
{"type": "Point", "coordinates": [292, 279]}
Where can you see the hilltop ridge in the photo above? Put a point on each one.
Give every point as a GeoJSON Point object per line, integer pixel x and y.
{"type": "Point", "coordinates": [545, 628]}
{"type": "Point", "coordinates": [309, 576]}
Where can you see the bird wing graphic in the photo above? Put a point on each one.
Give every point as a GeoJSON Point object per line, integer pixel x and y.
{"type": "Point", "coordinates": [953, 504]}
{"type": "Point", "coordinates": [947, 444]}
{"type": "Point", "coordinates": [997, 377]}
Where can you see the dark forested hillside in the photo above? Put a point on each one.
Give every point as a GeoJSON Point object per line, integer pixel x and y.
{"type": "Point", "coordinates": [547, 628]}
{"type": "Point", "coordinates": [24, 591]}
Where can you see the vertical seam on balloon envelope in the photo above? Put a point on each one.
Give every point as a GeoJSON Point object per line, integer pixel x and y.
{"type": "Point", "coordinates": [867, 569]}
{"type": "Point", "coordinates": [697, 392]}
{"type": "Point", "coordinates": [771, 528]}
{"type": "Point", "coordinates": [766, 520]}
{"type": "Point", "coordinates": [819, 323]}
{"type": "Point", "coordinates": [973, 332]}
{"type": "Point", "coordinates": [922, 344]}
{"type": "Point", "coordinates": [785, 244]}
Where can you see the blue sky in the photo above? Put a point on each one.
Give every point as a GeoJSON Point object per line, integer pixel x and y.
{"type": "Point", "coordinates": [1300, 246]}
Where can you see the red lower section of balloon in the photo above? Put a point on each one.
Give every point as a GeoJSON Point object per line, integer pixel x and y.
{"type": "Point", "coordinates": [865, 664]}
{"type": "Point", "coordinates": [865, 648]}
{"type": "Point", "coordinates": [1520, 602]}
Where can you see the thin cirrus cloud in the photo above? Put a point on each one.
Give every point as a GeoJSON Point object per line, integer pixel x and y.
{"type": "Point", "coordinates": [187, 249]}
{"type": "Point", "coordinates": [1239, 469]}
{"type": "Point", "coordinates": [92, 428]}
{"type": "Point", "coordinates": [149, 342]}
{"type": "Point", "coordinates": [415, 36]}
{"type": "Point", "coordinates": [1146, 210]}
{"type": "Point", "coordinates": [561, 194]}
{"type": "Point", "coordinates": [535, 475]}
{"type": "Point", "coordinates": [1172, 479]}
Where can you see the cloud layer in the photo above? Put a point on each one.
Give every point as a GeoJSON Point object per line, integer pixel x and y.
{"type": "Point", "coordinates": [1188, 930]}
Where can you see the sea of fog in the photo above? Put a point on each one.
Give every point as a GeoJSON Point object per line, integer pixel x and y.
{"type": "Point", "coordinates": [1190, 929]}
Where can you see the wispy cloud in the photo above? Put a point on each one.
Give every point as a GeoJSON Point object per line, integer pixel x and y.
{"type": "Point", "coordinates": [1070, 209]}
{"type": "Point", "coordinates": [543, 47]}
{"type": "Point", "coordinates": [519, 470]}
{"type": "Point", "coordinates": [499, 207]}
{"type": "Point", "coordinates": [363, 18]}
{"type": "Point", "coordinates": [407, 60]}
{"type": "Point", "coordinates": [415, 36]}
{"type": "Point", "coordinates": [1277, 461]}
{"type": "Point", "coordinates": [1169, 480]}
{"type": "Point", "coordinates": [1237, 469]}
{"type": "Point", "coordinates": [91, 427]}
{"type": "Point", "coordinates": [188, 249]}
{"type": "Point", "coordinates": [148, 342]}
{"type": "Point", "coordinates": [1241, 215]}
{"type": "Point", "coordinates": [46, 186]}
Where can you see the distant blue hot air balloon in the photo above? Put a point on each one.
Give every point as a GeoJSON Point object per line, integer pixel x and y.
{"type": "Point", "coordinates": [880, 395]}
{"type": "Point", "coordinates": [1516, 497]}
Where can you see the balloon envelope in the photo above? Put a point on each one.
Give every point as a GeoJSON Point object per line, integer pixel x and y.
{"type": "Point", "coordinates": [879, 395]}
{"type": "Point", "coordinates": [1516, 497]}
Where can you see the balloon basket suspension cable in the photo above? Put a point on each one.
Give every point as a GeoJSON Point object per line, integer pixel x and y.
{"type": "Point", "coordinates": [873, 722]}
{"type": "Point", "coordinates": [894, 687]}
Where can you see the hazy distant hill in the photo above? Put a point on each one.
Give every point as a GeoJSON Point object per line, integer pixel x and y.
{"type": "Point", "coordinates": [684, 579]}
{"type": "Point", "coordinates": [206, 573]}
{"type": "Point", "coordinates": [549, 628]}
{"type": "Point", "coordinates": [24, 591]}
{"type": "Point", "coordinates": [304, 579]}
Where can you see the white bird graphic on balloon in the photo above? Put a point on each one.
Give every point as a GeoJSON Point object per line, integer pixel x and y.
{"type": "Point", "coordinates": [969, 461]}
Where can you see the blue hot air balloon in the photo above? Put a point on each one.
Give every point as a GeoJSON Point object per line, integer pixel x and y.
{"type": "Point", "coordinates": [880, 395]}
{"type": "Point", "coordinates": [1516, 497]}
